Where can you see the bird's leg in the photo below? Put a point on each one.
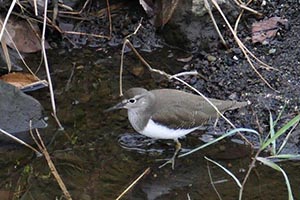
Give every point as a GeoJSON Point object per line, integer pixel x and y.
{"type": "Point", "coordinates": [172, 160]}
{"type": "Point", "coordinates": [177, 149]}
{"type": "Point", "coordinates": [216, 122]}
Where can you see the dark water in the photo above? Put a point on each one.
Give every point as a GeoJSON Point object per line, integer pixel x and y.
{"type": "Point", "coordinates": [99, 155]}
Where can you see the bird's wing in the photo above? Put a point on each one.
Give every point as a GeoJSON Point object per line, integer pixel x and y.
{"type": "Point", "coordinates": [180, 117]}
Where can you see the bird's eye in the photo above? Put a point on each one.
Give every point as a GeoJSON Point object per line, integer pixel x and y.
{"type": "Point", "coordinates": [131, 100]}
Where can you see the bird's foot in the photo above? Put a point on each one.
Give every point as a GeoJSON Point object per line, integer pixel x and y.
{"type": "Point", "coordinates": [172, 160]}
{"type": "Point", "coordinates": [169, 161]}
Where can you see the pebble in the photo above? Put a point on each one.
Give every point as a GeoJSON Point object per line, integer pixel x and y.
{"type": "Point", "coordinates": [211, 58]}
{"type": "Point", "coordinates": [272, 51]}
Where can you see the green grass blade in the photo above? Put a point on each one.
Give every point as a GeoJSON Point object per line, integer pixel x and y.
{"type": "Point", "coordinates": [280, 114]}
{"type": "Point", "coordinates": [276, 167]}
{"type": "Point", "coordinates": [281, 131]}
{"type": "Point", "coordinates": [225, 170]}
{"type": "Point", "coordinates": [220, 138]}
{"type": "Point", "coordinates": [285, 156]}
{"type": "Point", "coordinates": [272, 133]}
{"type": "Point", "coordinates": [287, 138]}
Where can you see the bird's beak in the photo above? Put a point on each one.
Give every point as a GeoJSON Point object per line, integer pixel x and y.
{"type": "Point", "coordinates": [116, 107]}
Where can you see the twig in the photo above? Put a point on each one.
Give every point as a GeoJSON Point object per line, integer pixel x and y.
{"type": "Point", "coordinates": [109, 19]}
{"type": "Point", "coordinates": [20, 141]}
{"type": "Point", "coordinates": [6, 55]}
{"type": "Point", "coordinates": [4, 47]}
{"type": "Point", "coordinates": [87, 34]}
{"type": "Point", "coordinates": [252, 165]}
{"type": "Point", "coordinates": [35, 7]}
{"type": "Point", "coordinates": [208, 8]}
{"type": "Point", "coordinates": [245, 6]}
{"type": "Point", "coordinates": [211, 181]}
{"type": "Point", "coordinates": [51, 165]}
{"type": "Point", "coordinates": [47, 67]}
{"type": "Point", "coordinates": [122, 55]}
{"type": "Point", "coordinates": [133, 183]}
{"type": "Point", "coordinates": [12, 5]}
{"type": "Point", "coordinates": [75, 12]}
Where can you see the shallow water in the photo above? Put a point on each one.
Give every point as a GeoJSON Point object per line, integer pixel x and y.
{"type": "Point", "coordinates": [99, 155]}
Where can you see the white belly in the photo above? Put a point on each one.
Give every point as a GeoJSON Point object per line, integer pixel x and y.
{"type": "Point", "coordinates": [157, 131]}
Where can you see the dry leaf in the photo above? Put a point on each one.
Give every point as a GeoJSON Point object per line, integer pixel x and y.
{"type": "Point", "coordinates": [24, 81]}
{"type": "Point", "coordinates": [266, 29]}
{"type": "Point", "coordinates": [23, 35]}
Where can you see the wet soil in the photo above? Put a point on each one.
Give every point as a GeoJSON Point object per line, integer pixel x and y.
{"type": "Point", "coordinates": [99, 155]}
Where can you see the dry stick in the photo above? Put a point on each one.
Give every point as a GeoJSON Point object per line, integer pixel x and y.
{"type": "Point", "coordinates": [180, 80]}
{"type": "Point", "coordinates": [12, 5]}
{"type": "Point", "coordinates": [242, 47]}
{"type": "Point", "coordinates": [240, 16]}
{"type": "Point", "coordinates": [51, 165]}
{"type": "Point", "coordinates": [20, 141]}
{"type": "Point", "coordinates": [6, 55]}
{"type": "Point", "coordinates": [8, 61]}
{"type": "Point", "coordinates": [88, 34]}
{"type": "Point", "coordinates": [208, 8]}
{"type": "Point", "coordinates": [238, 21]}
{"type": "Point", "coordinates": [252, 165]}
{"type": "Point", "coordinates": [250, 9]}
{"type": "Point", "coordinates": [238, 2]}
{"type": "Point", "coordinates": [211, 181]}
{"type": "Point", "coordinates": [245, 6]}
{"type": "Point", "coordinates": [55, 11]}
{"type": "Point", "coordinates": [76, 12]}
{"type": "Point", "coordinates": [122, 55]}
{"type": "Point", "coordinates": [35, 7]}
{"type": "Point", "coordinates": [47, 68]}
{"type": "Point", "coordinates": [133, 183]}
{"type": "Point", "coordinates": [109, 18]}
{"type": "Point", "coordinates": [95, 35]}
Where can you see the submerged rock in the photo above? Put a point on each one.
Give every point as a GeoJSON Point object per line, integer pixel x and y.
{"type": "Point", "coordinates": [16, 111]}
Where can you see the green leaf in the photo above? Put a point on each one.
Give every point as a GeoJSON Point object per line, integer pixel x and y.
{"type": "Point", "coordinates": [276, 167]}
{"type": "Point", "coordinates": [281, 131]}
{"type": "Point", "coordinates": [220, 138]}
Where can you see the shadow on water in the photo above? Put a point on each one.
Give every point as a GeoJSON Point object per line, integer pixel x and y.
{"type": "Point", "coordinates": [99, 155]}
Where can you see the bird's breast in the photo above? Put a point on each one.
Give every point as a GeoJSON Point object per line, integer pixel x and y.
{"type": "Point", "coordinates": [157, 131]}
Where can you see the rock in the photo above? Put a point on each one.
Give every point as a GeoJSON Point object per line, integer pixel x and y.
{"type": "Point", "coordinates": [16, 111]}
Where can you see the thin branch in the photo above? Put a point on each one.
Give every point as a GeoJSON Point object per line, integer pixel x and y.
{"type": "Point", "coordinates": [51, 165]}
{"type": "Point", "coordinates": [20, 141]}
{"type": "Point", "coordinates": [208, 8]}
{"type": "Point", "coordinates": [12, 5]}
{"type": "Point", "coordinates": [212, 182]}
{"type": "Point", "coordinates": [133, 183]}
{"type": "Point", "coordinates": [47, 67]}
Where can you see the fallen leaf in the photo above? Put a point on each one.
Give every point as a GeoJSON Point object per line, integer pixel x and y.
{"type": "Point", "coordinates": [24, 81]}
{"type": "Point", "coordinates": [27, 43]}
{"type": "Point", "coordinates": [266, 29]}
